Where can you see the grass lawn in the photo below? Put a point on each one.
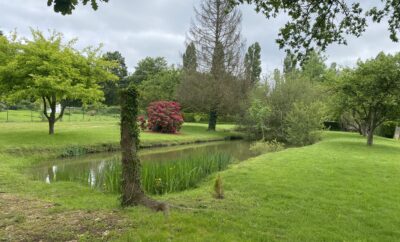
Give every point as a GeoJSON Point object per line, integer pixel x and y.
{"type": "Point", "coordinates": [35, 135]}
{"type": "Point", "coordinates": [336, 190]}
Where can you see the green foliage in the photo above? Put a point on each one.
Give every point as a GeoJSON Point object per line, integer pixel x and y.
{"type": "Point", "coordinates": [303, 123]}
{"type": "Point", "coordinates": [370, 92]}
{"type": "Point", "coordinates": [147, 68]}
{"type": "Point", "coordinates": [129, 111]}
{"type": "Point", "coordinates": [289, 63]}
{"type": "Point", "coordinates": [387, 129]}
{"type": "Point", "coordinates": [111, 87]}
{"type": "Point", "coordinates": [259, 112]}
{"type": "Point", "coordinates": [313, 23]}
{"type": "Point", "coordinates": [252, 64]}
{"type": "Point", "coordinates": [167, 176]}
{"type": "Point", "coordinates": [66, 7]}
{"type": "Point", "coordinates": [52, 71]}
{"type": "Point", "coordinates": [262, 147]}
{"type": "Point", "coordinates": [314, 67]}
{"type": "Point", "coordinates": [160, 86]}
{"type": "Point", "coordinates": [190, 58]}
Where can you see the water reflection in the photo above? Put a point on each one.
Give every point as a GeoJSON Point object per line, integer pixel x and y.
{"type": "Point", "coordinates": [85, 169]}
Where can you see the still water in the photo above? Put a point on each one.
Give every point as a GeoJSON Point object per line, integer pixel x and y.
{"type": "Point", "coordinates": [85, 168]}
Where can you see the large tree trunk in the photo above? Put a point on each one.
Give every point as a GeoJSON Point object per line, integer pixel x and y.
{"type": "Point", "coordinates": [51, 126]}
{"type": "Point", "coordinates": [132, 192]}
{"type": "Point", "coordinates": [212, 120]}
{"type": "Point", "coordinates": [370, 129]}
{"type": "Point", "coordinates": [370, 138]}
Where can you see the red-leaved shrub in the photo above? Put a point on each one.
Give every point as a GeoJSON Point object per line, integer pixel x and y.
{"type": "Point", "coordinates": [164, 117]}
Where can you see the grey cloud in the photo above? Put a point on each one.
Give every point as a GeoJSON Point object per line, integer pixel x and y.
{"type": "Point", "coordinates": [158, 27]}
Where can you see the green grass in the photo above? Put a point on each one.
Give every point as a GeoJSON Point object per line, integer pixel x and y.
{"type": "Point", "coordinates": [34, 135]}
{"type": "Point", "coordinates": [336, 190]}
{"type": "Point", "coordinates": [36, 116]}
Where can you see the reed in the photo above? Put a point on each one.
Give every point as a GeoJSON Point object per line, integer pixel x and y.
{"type": "Point", "coordinates": [167, 176]}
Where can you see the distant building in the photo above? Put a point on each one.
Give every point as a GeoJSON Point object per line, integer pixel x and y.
{"type": "Point", "coordinates": [58, 109]}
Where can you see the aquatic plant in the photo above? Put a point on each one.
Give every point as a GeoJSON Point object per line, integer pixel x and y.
{"type": "Point", "coordinates": [167, 176]}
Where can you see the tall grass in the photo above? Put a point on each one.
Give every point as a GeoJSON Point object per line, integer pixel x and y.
{"type": "Point", "coordinates": [167, 176]}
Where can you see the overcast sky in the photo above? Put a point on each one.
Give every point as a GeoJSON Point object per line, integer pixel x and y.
{"type": "Point", "coordinates": [157, 28]}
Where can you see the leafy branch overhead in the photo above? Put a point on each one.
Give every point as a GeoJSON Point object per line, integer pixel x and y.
{"type": "Point", "coordinates": [67, 6]}
{"type": "Point", "coordinates": [317, 24]}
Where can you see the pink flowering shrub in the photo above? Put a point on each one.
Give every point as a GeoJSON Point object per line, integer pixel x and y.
{"type": "Point", "coordinates": [164, 117]}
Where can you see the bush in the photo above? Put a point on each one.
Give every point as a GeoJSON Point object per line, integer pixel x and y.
{"type": "Point", "coordinates": [303, 123]}
{"type": "Point", "coordinates": [164, 117]}
{"type": "Point", "coordinates": [195, 117]}
{"type": "Point", "coordinates": [262, 147]}
{"type": "Point", "coordinates": [387, 129]}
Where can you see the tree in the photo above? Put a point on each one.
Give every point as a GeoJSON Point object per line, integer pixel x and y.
{"type": "Point", "coordinates": [252, 64]}
{"type": "Point", "coordinates": [371, 92]}
{"type": "Point", "coordinates": [259, 113]}
{"type": "Point", "coordinates": [317, 24]}
{"type": "Point", "coordinates": [67, 6]}
{"type": "Point", "coordinates": [289, 63]}
{"type": "Point", "coordinates": [190, 58]}
{"type": "Point", "coordinates": [161, 86]}
{"type": "Point", "coordinates": [217, 39]}
{"type": "Point", "coordinates": [52, 71]}
{"type": "Point", "coordinates": [148, 67]}
{"type": "Point", "coordinates": [314, 67]}
{"type": "Point", "coordinates": [111, 87]}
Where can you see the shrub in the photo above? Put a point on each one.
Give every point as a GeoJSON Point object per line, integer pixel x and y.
{"type": "Point", "coordinates": [142, 122]}
{"type": "Point", "coordinates": [262, 147]}
{"type": "Point", "coordinates": [164, 117]}
{"type": "Point", "coordinates": [303, 123]}
{"type": "Point", "coordinates": [387, 129]}
{"type": "Point", "coordinates": [195, 117]}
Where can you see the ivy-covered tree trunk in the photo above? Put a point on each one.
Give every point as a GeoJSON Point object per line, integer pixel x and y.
{"type": "Point", "coordinates": [132, 192]}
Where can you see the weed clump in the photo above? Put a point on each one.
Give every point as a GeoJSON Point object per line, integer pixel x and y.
{"type": "Point", "coordinates": [218, 188]}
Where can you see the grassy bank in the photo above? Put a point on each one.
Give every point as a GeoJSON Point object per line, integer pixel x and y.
{"type": "Point", "coordinates": [336, 190]}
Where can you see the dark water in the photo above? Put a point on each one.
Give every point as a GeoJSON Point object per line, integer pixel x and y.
{"type": "Point", "coordinates": [86, 168]}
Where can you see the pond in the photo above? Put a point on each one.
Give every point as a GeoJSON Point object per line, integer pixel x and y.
{"type": "Point", "coordinates": [94, 170]}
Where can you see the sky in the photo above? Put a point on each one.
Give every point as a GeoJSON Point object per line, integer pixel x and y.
{"type": "Point", "coordinates": [154, 28]}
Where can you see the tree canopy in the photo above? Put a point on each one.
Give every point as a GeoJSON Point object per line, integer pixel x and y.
{"type": "Point", "coordinates": [371, 92]}
{"type": "Point", "coordinates": [148, 67]}
{"type": "Point", "coordinates": [111, 87]}
{"type": "Point", "coordinates": [52, 71]}
{"type": "Point", "coordinates": [314, 24]}
{"type": "Point", "coordinates": [252, 64]}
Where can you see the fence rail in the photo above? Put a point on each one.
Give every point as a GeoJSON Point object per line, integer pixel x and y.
{"type": "Point", "coordinates": [72, 114]}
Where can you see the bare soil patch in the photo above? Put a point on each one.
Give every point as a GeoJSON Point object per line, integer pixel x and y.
{"type": "Point", "coordinates": [23, 219]}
